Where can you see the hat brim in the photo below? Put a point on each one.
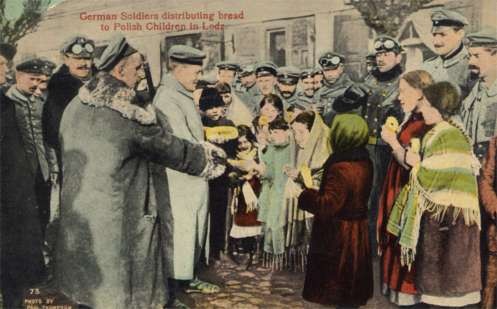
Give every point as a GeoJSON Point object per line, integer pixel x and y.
{"type": "Point", "coordinates": [343, 104]}
{"type": "Point", "coordinates": [193, 61]}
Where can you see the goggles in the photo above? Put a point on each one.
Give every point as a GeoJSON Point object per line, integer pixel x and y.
{"type": "Point", "coordinates": [329, 62]}
{"type": "Point", "coordinates": [79, 48]}
{"type": "Point", "coordinates": [386, 44]}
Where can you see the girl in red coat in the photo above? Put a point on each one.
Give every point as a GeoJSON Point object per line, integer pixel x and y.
{"type": "Point", "coordinates": [339, 269]}
{"type": "Point", "coordinates": [397, 282]}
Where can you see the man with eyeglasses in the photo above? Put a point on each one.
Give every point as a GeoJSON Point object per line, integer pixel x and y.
{"type": "Point", "coordinates": [382, 84]}
{"type": "Point", "coordinates": [78, 53]}
{"type": "Point", "coordinates": [451, 62]}
{"type": "Point", "coordinates": [335, 82]}
{"type": "Point", "coordinates": [26, 173]}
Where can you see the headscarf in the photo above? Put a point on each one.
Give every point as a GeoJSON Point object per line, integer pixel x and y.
{"type": "Point", "coordinates": [348, 131]}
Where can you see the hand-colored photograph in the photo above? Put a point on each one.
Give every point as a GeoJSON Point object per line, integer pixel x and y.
{"type": "Point", "coordinates": [248, 154]}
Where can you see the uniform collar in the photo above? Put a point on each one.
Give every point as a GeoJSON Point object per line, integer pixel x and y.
{"type": "Point", "coordinates": [393, 74]}
{"type": "Point", "coordinates": [343, 79]}
{"type": "Point", "coordinates": [14, 94]}
{"type": "Point", "coordinates": [458, 55]}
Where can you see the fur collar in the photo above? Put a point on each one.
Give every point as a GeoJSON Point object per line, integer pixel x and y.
{"type": "Point", "coordinates": [105, 91]}
{"type": "Point", "coordinates": [394, 73]}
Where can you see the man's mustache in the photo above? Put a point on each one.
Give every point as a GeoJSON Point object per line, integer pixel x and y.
{"type": "Point", "coordinates": [474, 67]}
{"type": "Point", "coordinates": [83, 67]}
{"type": "Point", "coordinates": [438, 45]}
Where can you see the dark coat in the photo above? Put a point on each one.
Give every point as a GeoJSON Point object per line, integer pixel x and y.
{"type": "Point", "coordinates": [111, 248]}
{"type": "Point", "coordinates": [62, 88]}
{"type": "Point", "coordinates": [339, 269]}
{"type": "Point", "coordinates": [22, 263]}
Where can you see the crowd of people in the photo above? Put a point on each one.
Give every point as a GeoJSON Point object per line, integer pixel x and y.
{"type": "Point", "coordinates": [116, 193]}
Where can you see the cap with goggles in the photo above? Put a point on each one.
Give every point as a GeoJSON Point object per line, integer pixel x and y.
{"type": "Point", "coordinates": [79, 46]}
{"type": "Point", "coordinates": [386, 44]}
{"type": "Point", "coordinates": [331, 60]}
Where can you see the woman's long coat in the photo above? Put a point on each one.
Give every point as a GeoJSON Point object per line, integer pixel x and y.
{"type": "Point", "coordinates": [339, 269]}
{"type": "Point", "coordinates": [111, 250]}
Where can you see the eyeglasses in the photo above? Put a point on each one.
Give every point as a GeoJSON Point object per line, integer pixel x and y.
{"type": "Point", "coordinates": [327, 62]}
{"type": "Point", "coordinates": [78, 48]}
{"type": "Point", "coordinates": [386, 44]}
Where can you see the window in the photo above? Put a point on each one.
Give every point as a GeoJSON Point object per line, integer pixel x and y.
{"type": "Point", "coordinates": [277, 47]}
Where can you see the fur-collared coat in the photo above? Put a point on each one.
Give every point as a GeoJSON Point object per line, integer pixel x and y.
{"type": "Point", "coordinates": [111, 242]}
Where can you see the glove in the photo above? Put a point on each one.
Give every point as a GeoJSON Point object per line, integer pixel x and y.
{"type": "Point", "coordinates": [216, 161]}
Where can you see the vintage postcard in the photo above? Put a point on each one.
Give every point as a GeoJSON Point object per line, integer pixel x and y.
{"type": "Point", "coordinates": [248, 154]}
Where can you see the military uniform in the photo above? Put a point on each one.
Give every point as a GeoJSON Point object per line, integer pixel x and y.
{"type": "Point", "coordinates": [302, 97]}
{"type": "Point", "coordinates": [383, 91]}
{"type": "Point", "coordinates": [328, 92]}
{"type": "Point", "coordinates": [479, 114]}
{"type": "Point", "coordinates": [288, 76]}
{"type": "Point", "coordinates": [479, 108]}
{"type": "Point", "coordinates": [453, 67]}
{"type": "Point", "coordinates": [189, 212]}
{"type": "Point", "coordinates": [255, 96]}
{"type": "Point", "coordinates": [230, 66]}
{"type": "Point", "coordinates": [26, 166]}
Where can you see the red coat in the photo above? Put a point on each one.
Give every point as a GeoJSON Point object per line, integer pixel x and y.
{"type": "Point", "coordinates": [339, 269]}
{"type": "Point", "coordinates": [397, 277]}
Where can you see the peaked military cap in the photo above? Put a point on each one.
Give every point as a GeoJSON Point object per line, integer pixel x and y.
{"type": "Point", "coordinates": [117, 49]}
{"type": "Point", "coordinates": [371, 58]}
{"type": "Point", "coordinates": [186, 54]}
{"type": "Point", "coordinates": [35, 65]}
{"type": "Point", "coordinates": [317, 71]}
{"type": "Point", "coordinates": [48, 67]}
{"type": "Point", "coordinates": [266, 69]}
{"type": "Point", "coordinates": [228, 65]}
{"type": "Point", "coordinates": [288, 75]}
{"type": "Point", "coordinates": [445, 17]}
{"type": "Point", "coordinates": [331, 60]}
{"type": "Point", "coordinates": [485, 37]}
{"type": "Point", "coordinates": [247, 70]}
{"type": "Point", "coordinates": [79, 46]}
{"type": "Point", "coordinates": [8, 51]}
{"type": "Point", "coordinates": [307, 73]}
{"type": "Point", "coordinates": [385, 43]}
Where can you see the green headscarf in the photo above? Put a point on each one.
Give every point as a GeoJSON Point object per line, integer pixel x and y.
{"type": "Point", "coordinates": [348, 131]}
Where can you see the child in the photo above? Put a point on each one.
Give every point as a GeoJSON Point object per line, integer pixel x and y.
{"type": "Point", "coordinates": [212, 105]}
{"type": "Point", "coordinates": [271, 108]}
{"type": "Point", "coordinates": [247, 187]}
{"type": "Point", "coordinates": [272, 199]}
